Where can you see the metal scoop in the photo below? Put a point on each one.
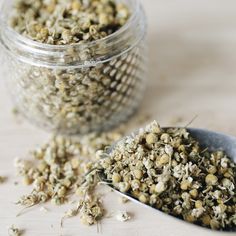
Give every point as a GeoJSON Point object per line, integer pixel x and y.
{"type": "Point", "coordinates": [212, 141]}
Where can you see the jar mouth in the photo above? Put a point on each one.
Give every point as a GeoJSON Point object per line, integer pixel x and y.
{"type": "Point", "coordinates": [128, 35]}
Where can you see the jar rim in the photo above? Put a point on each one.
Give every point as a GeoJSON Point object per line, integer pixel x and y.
{"type": "Point", "coordinates": [26, 47]}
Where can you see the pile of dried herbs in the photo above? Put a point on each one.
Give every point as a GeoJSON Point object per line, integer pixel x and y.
{"type": "Point", "coordinates": [60, 22]}
{"type": "Point", "coordinates": [57, 170]}
{"type": "Point", "coordinates": [167, 169]}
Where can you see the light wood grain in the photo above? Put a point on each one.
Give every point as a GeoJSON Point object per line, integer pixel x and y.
{"type": "Point", "coordinates": [192, 72]}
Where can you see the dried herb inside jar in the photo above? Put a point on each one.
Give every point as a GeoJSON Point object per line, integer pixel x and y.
{"type": "Point", "coordinates": [85, 88]}
{"type": "Point", "coordinates": [168, 170]}
{"type": "Point", "coordinates": [60, 22]}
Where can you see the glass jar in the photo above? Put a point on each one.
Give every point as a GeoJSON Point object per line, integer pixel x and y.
{"type": "Point", "coordinates": [79, 88]}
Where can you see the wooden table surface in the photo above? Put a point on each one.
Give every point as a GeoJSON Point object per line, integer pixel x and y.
{"type": "Point", "coordinates": [192, 71]}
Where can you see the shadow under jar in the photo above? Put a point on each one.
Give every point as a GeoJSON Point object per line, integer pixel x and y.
{"type": "Point", "coordinates": [77, 88]}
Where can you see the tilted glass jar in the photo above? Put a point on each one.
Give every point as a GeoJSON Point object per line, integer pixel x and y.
{"type": "Point", "coordinates": [79, 88]}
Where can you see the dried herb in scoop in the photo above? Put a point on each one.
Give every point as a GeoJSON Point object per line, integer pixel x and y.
{"type": "Point", "coordinates": [168, 170]}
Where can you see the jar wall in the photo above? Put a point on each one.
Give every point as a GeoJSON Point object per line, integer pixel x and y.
{"type": "Point", "coordinates": [79, 100]}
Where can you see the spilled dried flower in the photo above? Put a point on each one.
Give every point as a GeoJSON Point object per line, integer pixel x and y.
{"type": "Point", "coordinates": [123, 216]}
{"type": "Point", "coordinates": [14, 231]}
{"type": "Point", "coordinates": [58, 168]}
{"type": "Point", "coordinates": [2, 179]}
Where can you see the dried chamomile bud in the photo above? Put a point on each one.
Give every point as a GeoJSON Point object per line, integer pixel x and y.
{"type": "Point", "coordinates": [116, 178]}
{"type": "Point", "coordinates": [91, 211]}
{"type": "Point", "coordinates": [135, 184]}
{"type": "Point", "coordinates": [2, 179]}
{"type": "Point", "coordinates": [151, 138]}
{"type": "Point", "coordinates": [123, 216]}
{"type": "Point", "coordinates": [215, 224]}
{"type": "Point", "coordinates": [164, 159]}
{"type": "Point", "coordinates": [138, 174]}
{"type": "Point", "coordinates": [206, 220]}
{"type": "Point", "coordinates": [194, 193]}
{"type": "Point", "coordinates": [198, 204]}
{"type": "Point", "coordinates": [75, 163]}
{"type": "Point", "coordinates": [154, 127]}
{"type": "Point", "coordinates": [165, 137]}
{"type": "Point", "coordinates": [143, 198]}
{"type": "Point", "coordinates": [160, 187]}
{"type": "Point", "coordinates": [211, 179]}
{"type": "Point", "coordinates": [212, 170]}
{"type": "Point", "coordinates": [186, 183]}
{"type": "Point", "coordinates": [228, 184]}
{"type": "Point", "coordinates": [27, 180]}
{"type": "Point", "coordinates": [14, 231]}
{"type": "Point", "coordinates": [124, 187]}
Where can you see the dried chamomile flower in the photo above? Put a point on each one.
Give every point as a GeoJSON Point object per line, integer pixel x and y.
{"type": "Point", "coordinates": [167, 169]}
{"type": "Point", "coordinates": [211, 179]}
{"type": "Point", "coordinates": [14, 231]}
{"type": "Point", "coordinates": [29, 200]}
{"type": "Point", "coordinates": [2, 179]}
{"type": "Point", "coordinates": [123, 216]}
{"type": "Point", "coordinates": [91, 210]}
{"type": "Point", "coordinates": [58, 168]}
